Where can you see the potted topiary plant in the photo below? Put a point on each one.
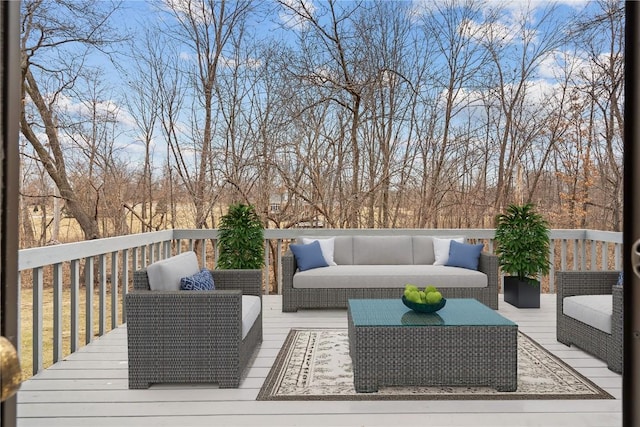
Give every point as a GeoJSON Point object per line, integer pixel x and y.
{"type": "Point", "coordinates": [240, 239]}
{"type": "Point", "coordinates": [522, 238]}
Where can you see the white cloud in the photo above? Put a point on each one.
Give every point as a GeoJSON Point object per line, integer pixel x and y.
{"type": "Point", "coordinates": [490, 32]}
{"type": "Point", "coordinates": [103, 108]}
{"type": "Point", "coordinates": [559, 63]}
{"type": "Point", "coordinates": [292, 13]}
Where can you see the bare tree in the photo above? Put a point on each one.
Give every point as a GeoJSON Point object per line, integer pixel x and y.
{"type": "Point", "coordinates": [56, 39]}
{"type": "Point", "coordinates": [348, 114]}
{"type": "Point", "coordinates": [332, 61]}
{"type": "Point", "coordinates": [457, 61]}
{"type": "Point", "coordinates": [205, 28]}
{"type": "Point", "coordinates": [516, 53]}
{"type": "Point", "coordinates": [390, 98]}
{"type": "Point", "coordinates": [91, 131]}
{"type": "Point", "coordinates": [603, 41]}
{"type": "Point", "coordinates": [144, 104]}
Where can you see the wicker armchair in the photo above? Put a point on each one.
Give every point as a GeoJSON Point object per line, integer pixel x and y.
{"type": "Point", "coordinates": [191, 336]}
{"type": "Point", "coordinates": [607, 347]}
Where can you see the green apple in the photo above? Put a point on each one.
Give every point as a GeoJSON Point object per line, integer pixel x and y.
{"type": "Point", "coordinates": [409, 286]}
{"type": "Point", "coordinates": [434, 297]}
{"type": "Point", "coordinates": [414, 296]}
{"type": "Point", "coordinates": [423, 297]}
{"type": "Point", "coordinates": [430, 288]}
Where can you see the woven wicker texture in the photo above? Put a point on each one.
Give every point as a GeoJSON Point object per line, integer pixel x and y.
{"type": "Point", "coordinates": [191, 336]}
{"type": "Point", "coordinates": [607, 347]}
{"type": "Point", "coordinates": [477, 354]}
{"type": "Point", "coordinates": [293, 298]}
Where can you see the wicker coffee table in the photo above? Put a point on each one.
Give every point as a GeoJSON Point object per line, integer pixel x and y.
{"type": "Point", "coordinates": [464, 344]}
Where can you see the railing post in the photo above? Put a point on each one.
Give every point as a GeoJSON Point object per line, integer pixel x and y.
{"type": "Point", "coordinates": [37, 319]}
{"type": "Point", "coordinates": [279, 266]}
{"type": "Point", "coordinates": [143, 256]}
{"type": "Point", "coordinates": [203, 253]}
{"type": "Point", "coordinates": [125, 280]}
{"type": "Point", "coordinates": [153, 257]}
{"type": "Point", "coordinates": [88, 283]}
{"type": "Point", "coordinates": [552, 256]}
{"type": "Point", "coordinates": [75, 303]}
{"type": "Point", "coordinates": [135, 263]}
{"type": "Point", "coordinates": [102, 292]}
{"type": "Point", "coordinates": [166, 248]}
{"type": "Point", "coordinates": [57, 312]}
{"type": "Point", "coordinates": [114, 289]}
{"type": "Point", "coordinates": [266, 266]}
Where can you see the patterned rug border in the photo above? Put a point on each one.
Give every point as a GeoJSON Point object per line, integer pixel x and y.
{"type": "Point", "coordinates": [272, 380]}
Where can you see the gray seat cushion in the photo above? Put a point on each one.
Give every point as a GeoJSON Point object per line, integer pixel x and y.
{"type": "Point", "coordinates": [388, 276]}
{"type": "Point", "coordinates": [594, 310]}
{"type": "Point", "coordinates": [251, 306]}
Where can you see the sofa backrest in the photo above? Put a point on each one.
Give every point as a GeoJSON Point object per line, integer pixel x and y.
{"type": "Point", "coordinates": [375, 250]}
{"type": "Point", "coordinates": [343, 250]}
{"type": "Point", "coordinates": [423, 250]}
{"type": "Point", "coordinates": [368, 250]}
{"type": "Point", "coordinates": [165, 275]}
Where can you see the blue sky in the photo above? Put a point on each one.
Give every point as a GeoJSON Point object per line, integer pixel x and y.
{"type": "Point", "coordinates": [136, 15]}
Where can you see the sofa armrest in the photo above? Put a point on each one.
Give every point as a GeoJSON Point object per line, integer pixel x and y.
{"type": "Point", "coordinates": [289, 267]}
{"type": "Point", "coordinates": [183, 301]}
{"type": "Point", "coordinates": [488, 264]}
{"type": "Point", "coordinates": [572, 283]}
{"type": "Point", "coordinates": [617, 315]}
{"type": "Point", "coordinates": [159, 314]}
{"type": "Point", "coordinates": [140, 280]}
{"type": "Point", "coordinates": [247, 281]}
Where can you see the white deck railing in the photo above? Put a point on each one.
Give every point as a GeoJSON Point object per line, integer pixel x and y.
{"type": "Point", "coordinates": [115, 258]}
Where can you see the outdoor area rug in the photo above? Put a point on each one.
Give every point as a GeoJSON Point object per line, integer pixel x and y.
{"type": "Point", "coordinates": [314, 364]}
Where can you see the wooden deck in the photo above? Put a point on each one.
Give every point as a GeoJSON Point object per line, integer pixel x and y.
{"type": "Point", "coordinates": [90, 389]}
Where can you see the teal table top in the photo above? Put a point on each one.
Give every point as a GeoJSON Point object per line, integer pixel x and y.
{"type": "Point", "coordinates": [392, 312]}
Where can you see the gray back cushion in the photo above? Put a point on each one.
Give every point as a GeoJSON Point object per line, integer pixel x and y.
{"type": "Point", "coordinates": [165, 275]}
{"type": "Point", "coordinates": [343, 250]}
{"type": "Point", "coordinates": [382, 250]}
{"type": "Point", "coordinates": [423, 250]}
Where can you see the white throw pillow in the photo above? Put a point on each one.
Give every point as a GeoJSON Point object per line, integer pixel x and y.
{"type": "Point", "coordinates": [165, 275]}
{"type": "Point", "coordinates": [326, 246]}
{"type": "Point", "coordinates": [441, 249]}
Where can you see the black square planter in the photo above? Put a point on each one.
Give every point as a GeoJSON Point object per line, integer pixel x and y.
{"type": "Point", "coordinates": [521, 294]}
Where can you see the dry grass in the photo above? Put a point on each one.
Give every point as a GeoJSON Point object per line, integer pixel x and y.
{"type": "Point", "coordinates": [26, 318]}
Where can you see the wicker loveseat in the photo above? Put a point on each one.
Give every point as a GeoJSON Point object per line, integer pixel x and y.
{"type": "Point", "coordinates": [379, 267]}
{"type": "Point", "coordinates": [193, 336]}
{"type": "Point", "coordinates": [590, 314]}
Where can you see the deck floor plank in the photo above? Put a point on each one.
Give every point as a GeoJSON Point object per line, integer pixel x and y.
{"type": "Point", "coordinates": [90, 388]}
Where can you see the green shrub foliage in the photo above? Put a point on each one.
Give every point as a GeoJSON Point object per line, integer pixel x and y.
{"type": "Point", "coordinates": [240, 239]}
{"type": "Point", "coordinates": [522, 238]}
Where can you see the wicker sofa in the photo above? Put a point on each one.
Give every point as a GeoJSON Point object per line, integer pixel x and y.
{"type": "Point", "coordinates": [379, 267]}
{"type": "Point", "coordinates": [590, 314]}
{"type": "Point", "coordinates": [193, 336]}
